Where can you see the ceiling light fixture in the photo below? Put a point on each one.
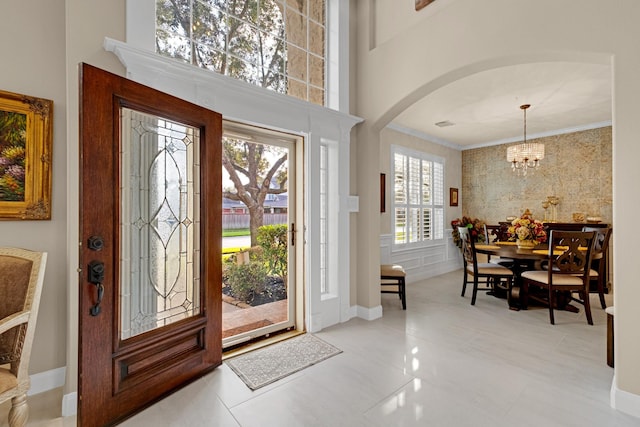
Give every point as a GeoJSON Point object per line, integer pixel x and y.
{"type": "Point", "coordinates": [526, 155]}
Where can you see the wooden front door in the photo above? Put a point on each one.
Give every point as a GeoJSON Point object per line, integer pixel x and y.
{"type": "Point", "coordinates": [150, 246]}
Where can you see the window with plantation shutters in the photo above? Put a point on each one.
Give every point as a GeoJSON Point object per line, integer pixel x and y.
{"type": "Point", "coordinates": [418, 197]}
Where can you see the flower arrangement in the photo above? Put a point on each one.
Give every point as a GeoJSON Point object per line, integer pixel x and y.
{"type": "Point", "coordinates": [526, 228]}
{"type": "Point", "coordinates": [475, 225]}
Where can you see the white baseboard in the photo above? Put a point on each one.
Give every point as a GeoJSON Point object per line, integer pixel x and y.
{"type": "Point", "coordinates": [433, 271]}
{"type": "Point", "coordinates": [50, 380]}
{"type": "Point", "coordinates": [350, 313]}
{"type": "Point", "coordinates": [369, 313]}
{"type": "Point", "coordinates": [624, 401]}
{"type": "Point", "coordinates": [45, 381]}
{"type": "Point", "coordinates": [70, 404]}
{"type": "Point", "coordinates": [315, 323]}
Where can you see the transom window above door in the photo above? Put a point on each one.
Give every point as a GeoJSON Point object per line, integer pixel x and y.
{"type": "Point", "coordinates": [275, 44]}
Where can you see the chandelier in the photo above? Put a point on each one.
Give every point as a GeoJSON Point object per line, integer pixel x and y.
{"type": "Point", "coordinates": [526, 155]}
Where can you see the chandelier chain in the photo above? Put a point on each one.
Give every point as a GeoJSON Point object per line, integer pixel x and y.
{"type": "Point", "coordinates": [526, 155]}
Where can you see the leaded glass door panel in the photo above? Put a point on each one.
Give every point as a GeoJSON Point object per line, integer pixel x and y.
{"type": "Point", "coordinates": [159, 223]}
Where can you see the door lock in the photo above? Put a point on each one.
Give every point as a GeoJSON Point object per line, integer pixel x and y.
{"type": "Point", "coordinates": [96, 243]}
{"type": "Point", "coordinates": [96, 272]}
{"type": "Point", "coordinates": [96, 277]}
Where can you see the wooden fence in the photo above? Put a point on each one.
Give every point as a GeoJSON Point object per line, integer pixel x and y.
{"type": "Point", "coordinates": [239, 221]}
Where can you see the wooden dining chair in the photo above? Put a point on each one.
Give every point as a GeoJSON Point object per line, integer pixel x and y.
{"type": "Point", "coordinates": [493, 235]}
{"type": "Point", "coordinates": [600, 260]}
{"type": "Point", "coordinates": [569, 256]}
{"type": "Point", "coordinates": [394, 276]}
{"type": "Point", "coordinates": [490, 274]}
{"type": "Point", "coordinates": [21, 277]}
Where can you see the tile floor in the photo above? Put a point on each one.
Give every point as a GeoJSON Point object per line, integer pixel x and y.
{"type": "Point", "coordinates": [440, 363]}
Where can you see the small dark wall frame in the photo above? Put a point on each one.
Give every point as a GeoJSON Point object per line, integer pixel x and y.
{"type": "Point", "coordinates": [383, 192]}
{"type": "Point", "coordinates": [453, 197]}
{"type": "Point", "coordinates": [423, 3]}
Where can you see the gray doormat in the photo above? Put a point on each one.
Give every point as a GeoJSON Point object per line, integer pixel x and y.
{"type": "Point", "coordinates": [266, 365]}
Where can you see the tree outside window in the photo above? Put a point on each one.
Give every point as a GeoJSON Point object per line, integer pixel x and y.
{"type": "Point", "coordinates": [275, 44]}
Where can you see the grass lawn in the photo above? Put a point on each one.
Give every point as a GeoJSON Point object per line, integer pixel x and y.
{"type": "Point", "coordinates": [238, 232]}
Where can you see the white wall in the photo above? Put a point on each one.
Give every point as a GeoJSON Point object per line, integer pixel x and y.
{"type": "Point", "coordinates": [32, 44]}
{"type": "Point", "coordinates": [458, 38]}
{"type": "Point", "coordinates": [87, 23]}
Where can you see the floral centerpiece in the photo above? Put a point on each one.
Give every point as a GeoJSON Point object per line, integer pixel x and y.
{"type": "Point", "coordinates": [526, 231]}
{"type": "Point", "coordinates": [475, 225]}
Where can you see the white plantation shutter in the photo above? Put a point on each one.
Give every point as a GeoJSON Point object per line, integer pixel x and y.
{"type": "Point", "coordinates": [400, 178]}
{"type": "Point", "coordinates": [438, 184]}
{"type": "Point", "coordinates": [413, 181]}
{"type": "Point", "coordinates": [426, 182]}
{"type": "Point", "coordinates": [414, 225]}
{"type": "Point", "coordinates": [400, 197]}
{"type": "Point", "coordinates": [426, 224]}
{"type": "Point", "coordinates": [418, 197]}
{"type": "Point", "coordinates": [438, 201]}
{"type": "Point", "coordinates": [438, 224]}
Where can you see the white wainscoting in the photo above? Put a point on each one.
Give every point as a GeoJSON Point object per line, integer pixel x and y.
{"type": "Point", "coordinates": [422, 263]}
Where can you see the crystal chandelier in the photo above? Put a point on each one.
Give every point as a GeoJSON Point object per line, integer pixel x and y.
{"type": "Point", "coordinates": [526, 155]}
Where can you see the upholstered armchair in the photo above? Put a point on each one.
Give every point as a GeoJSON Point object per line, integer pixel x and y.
{"type": "Point", "coordinates": [21, 277]}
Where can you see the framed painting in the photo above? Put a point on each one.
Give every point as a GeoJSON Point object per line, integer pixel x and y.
{"type": "Point", "coordinates": [423, 3]}
{"type": "Point", "coordinates": [453, 197]}
{"type": "Point", "coordinates": [25, 157]}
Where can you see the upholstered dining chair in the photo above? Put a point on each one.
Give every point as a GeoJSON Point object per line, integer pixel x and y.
{"type": "Point", "coordinates": [21, 277]}
{"type": "Point", "coordinates": [393, 275]}
{"type": "Point", "coordinates": [570, 255]}
{"type": "Point", "coordinates": [490, 274]}
{"type": "Point", "coordinates": [600, 260]}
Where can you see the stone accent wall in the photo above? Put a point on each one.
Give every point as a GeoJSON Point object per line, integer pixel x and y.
{"type": "Point", "coordinates": [577, 168]}
{"type": "Point", "coordinates": [304, 24]}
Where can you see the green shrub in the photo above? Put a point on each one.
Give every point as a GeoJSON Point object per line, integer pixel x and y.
{"type": "Point", "coordinates": [273, 240]}
{"type": "Point", "coordinates": [256, 253]}
{"type": "Point", "coordinates": [246, 280]}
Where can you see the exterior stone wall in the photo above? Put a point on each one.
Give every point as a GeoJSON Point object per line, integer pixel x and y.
{"type": "Point", "coordinates": [304, 24]}
{"type": "Point", "coordinates": [577, 168]}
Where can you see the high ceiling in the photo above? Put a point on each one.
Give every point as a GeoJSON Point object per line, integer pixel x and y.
{"type": "Point", "coordinates": [484, 108]}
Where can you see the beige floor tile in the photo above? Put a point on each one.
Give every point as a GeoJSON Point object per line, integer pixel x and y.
{"type": "Point", "coordinates": [441, 362]}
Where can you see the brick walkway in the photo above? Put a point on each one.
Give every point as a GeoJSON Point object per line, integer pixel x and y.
{"type": "Point", "coordinates": [235, 317]}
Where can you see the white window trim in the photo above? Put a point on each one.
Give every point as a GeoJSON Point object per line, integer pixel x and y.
{"type": "Point", "coordinates": [141, 29]}
{"type": "Point", "coordinates": [243, 102]}
{"type": "Point", "coordinates": [399, 247]}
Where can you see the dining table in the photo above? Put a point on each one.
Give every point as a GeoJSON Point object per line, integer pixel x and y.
{"type": "Point", "coordinates": [523, 259]}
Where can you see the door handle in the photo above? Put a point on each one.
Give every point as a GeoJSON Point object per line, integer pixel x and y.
{"type": "Point", "coordinates": [96, 277]}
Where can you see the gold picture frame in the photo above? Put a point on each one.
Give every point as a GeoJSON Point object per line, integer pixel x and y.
{"type": "Point", "coordinates": [26, 141]}
{"type": "Point", "coordinates": [422, 3]}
